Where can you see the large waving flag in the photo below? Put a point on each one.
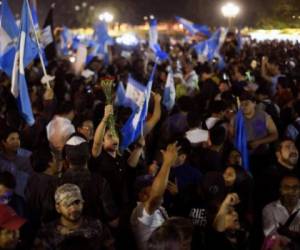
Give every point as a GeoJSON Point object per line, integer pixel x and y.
{"type": "Point", "coordinates": [9, 33]}
{"type": "Point", "coordinates": [210, 49]}
{"type": "Point", "coordinates": [26, 51]}
{"type": "Point", "coordinates": [127, 98]}
{"type": "Point", "coordinates": [132, 129]}
{"type": "Point", "coordinates": [169, 92]}
{"type": "Point", "coordinates": [134, 126]}
{"type": "Point", "coordinates": [103, 39]}
{"type": "Point", "coordinates": [153, 41]}
{"type": "Point", "coordinates": [241, 139]}
{"type": "Point", "coordinates": [194, 28]}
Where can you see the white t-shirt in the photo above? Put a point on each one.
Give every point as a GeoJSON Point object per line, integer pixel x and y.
{"type": "Point", "coordinates": [275, 214]}
{"type": "Point", "coordinates": [143, 224]}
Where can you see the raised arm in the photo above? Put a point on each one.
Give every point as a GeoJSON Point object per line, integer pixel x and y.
{"type": "Point", "coordinates": [161, 180]}
{"type": "Point", "coordinates": [150, 124]}
{"type": "Point", "coordinates": [100, 131]}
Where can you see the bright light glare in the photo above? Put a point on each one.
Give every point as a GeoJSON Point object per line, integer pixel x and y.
{"type": "Point", "coordinates": [72, 59]}
{"type": "Point", "coordinates": [262, 35]}
{"type": "Point", "coordinates": [230, 10]}
{"type": "Point", "coordinates": [106, 17]}
{"type": "Point", "coordinates": [128, 40]}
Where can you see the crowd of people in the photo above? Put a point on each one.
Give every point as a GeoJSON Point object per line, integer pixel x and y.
{"type": "Point", "coordinates": [65, 183]}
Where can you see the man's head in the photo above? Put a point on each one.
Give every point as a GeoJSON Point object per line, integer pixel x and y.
{"type": "Point", "coordinates": [234, 158]}
{"type": "Point", "coordinates": [290, 190]}
{"type": "Point", "coordinates": [42, 160]}
{"type": "Point", "coordinates": [238, 72]}
{"type": "Point", "coordinates": [85, 126]}
{"type": "Point", "coordinates": [69, 202]}
{"type": "Point", "coordinates": [217, 135]}
{"type": "Point", "coordinates": [188, 67]}
{"type": "Point", "coordinates": [111, 142]}
{"type": "Point", "coordinates": [273, 66]}
{"type": "Point", "coordinates": [10, 223]}
{"type": "Point", "coordinates": [77, 151]}
{"type": "Point", "coordinates": [66, 109]}
{"type": "Point", "coordinates": [248, 104]}
{"type": "Point", "coordinates": [10, 140]}
{"type": "Point", "coordinates": [184, 151]}
{"type": "Point", "coordinates": [287, 154]}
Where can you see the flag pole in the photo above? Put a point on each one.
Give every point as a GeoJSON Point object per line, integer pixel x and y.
{"type": "Point", "coordinates": [38, 44]}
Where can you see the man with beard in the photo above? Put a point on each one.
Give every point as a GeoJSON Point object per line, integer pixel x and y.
{"type": "Point", "coordinates": [69, 204]}
{"type": "Point", "coordinates": [287, 158]}
{"type": "Point", "coordinates": [281, 218]}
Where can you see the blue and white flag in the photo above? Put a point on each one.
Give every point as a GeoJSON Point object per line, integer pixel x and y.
{"type": "Point", "coordinates": [153, 41]}
{"type": "Point", "coordinates": [134, 126]}
{"type": "Point", "coordinates": [9, 33]}
{"type": "Point", "coordinates": [241, 139]}
{"type": "Point", "coordinates": [26, 51]}
{"type": "Point", "coordinates": [194, 28]}
{"type": "Point", "coordinates": [210, 49]}
{"type": "Point", "coordinates": [132, 129]}
{"type": "Point", "coordinates": [103, 40]}
{"type": "Point", "coordinates": [66, 39]}
{"type": "Point", "coordinates": [169, 92]}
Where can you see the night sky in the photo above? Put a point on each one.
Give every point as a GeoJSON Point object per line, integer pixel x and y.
{"type": "Point", "coordinates": [201, 11]}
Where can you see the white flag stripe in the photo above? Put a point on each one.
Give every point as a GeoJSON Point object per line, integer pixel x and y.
{"type": "Point", "coordinates": [4, 41]}
{"type": "Point", "coordinates": [22, 51]}
{"type": "Point", "coordinates": [14, 79]}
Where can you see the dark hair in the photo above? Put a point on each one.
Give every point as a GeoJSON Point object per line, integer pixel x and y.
{"type": "Point", "coordinates": [185, 103]}
{"type": "Point", "coordinates": [41, 158]}
{"type": "Point", "coordinates": [217, 135]}
{"type": "Point", "coordinates": [241, 174]}
{"type": "Point", "coordinates": [79, 120]}
{"type": "Point", "coordinates": [65, 108]}
{"type": "Point", "coordinates": [291, 175]}
{"type": "Point", "coordinates": [6, 132]}
{"type": "Point", "coordinates": [217, 106]}
{"type": "Point", "coordinates": [246, 96]}
{"type": "Point", "coordinates": [296, 107]}
{"type": "Point", "coordinates": [175, 233]}
{"type": "Point", "coordinates": [279, 144]}
{"type": "Point", "coordinates": [7, 180]}
{"type": "Point", "coordinates": [184, 144]}
{"type": "Point", "coordinates": [77, 155]}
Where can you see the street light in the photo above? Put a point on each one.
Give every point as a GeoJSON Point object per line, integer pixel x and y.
{"type": "Point", "coordinates": [106, 17]}
{"type": "Point", "coordinates": [230, 11]}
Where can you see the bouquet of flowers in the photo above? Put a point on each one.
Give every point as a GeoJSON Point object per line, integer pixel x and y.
{"type": "Point", "coordinates": [107, 87]}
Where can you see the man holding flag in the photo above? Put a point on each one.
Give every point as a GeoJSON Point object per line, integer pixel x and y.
{"type": "Point", "coordinates": [258, 129]}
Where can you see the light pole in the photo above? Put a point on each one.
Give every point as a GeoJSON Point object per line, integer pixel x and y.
{"type": "Point", "coordinates": [230, 11]}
